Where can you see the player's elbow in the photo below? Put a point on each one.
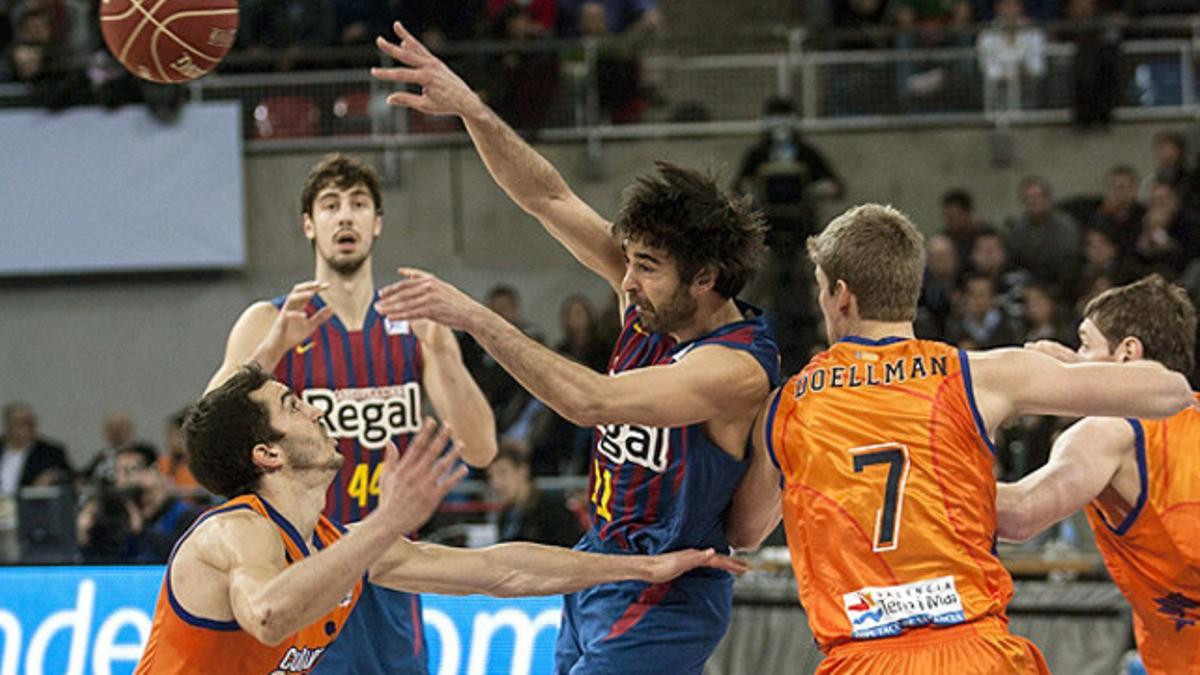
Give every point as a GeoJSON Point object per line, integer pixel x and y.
{"type": "Point", "coordinates": [267, 626]}
{"type": "Point", "coordinates": [585, 409]}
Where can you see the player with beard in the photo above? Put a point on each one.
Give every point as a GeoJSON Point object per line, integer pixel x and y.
{"type": "Point", "coordinates": [367, 376]}
{"type": "Point", "coordinates": [264, 583]}
{"type": "Point", "coordinates": [689, 369]}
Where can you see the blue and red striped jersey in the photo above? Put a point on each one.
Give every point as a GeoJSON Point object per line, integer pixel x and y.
{"type": "Point", "coordinates": [662, 489]}
{"type": "Point", "coordinates": [368, 384]}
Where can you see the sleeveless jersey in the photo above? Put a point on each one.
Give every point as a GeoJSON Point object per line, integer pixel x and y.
{"type": "Point", "coordinates": [368, 385]}
{"type": "Point", "coordinates": [181, 643]}
{"type": "Point", "coordinates": [889, 496]}
{"type": "Point", "coordinates": [654, 489]}
{"type": "Point", "coordinates": [1152, 547]}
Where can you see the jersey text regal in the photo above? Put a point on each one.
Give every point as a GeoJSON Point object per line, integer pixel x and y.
{"type": "Point", "coordinates": [370, 414]}
{"type": "Point", "coordinates": [644, 446]}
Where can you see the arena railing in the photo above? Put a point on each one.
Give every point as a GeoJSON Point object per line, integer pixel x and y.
{"type": "Point", "coordinates": [592, 91]}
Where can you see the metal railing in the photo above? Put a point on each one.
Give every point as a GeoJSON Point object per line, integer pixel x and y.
{"type": "Point", "coordinates": [584, 90]}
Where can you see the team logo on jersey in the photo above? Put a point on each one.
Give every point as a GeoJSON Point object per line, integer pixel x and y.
{"type": "Point", "coordinates": [644, 446]}
{"type": "Point", "coordinates": [298, 660]}
{"type": "Point", "coordinates": [303, 349]}
{"type": "Point", "coordinates": [371, 415]}
{"type": "Point", "coordinates": [1184, 611]}
{"type": "Point", "coordinates": [887, 610]}
{"type": "Point", "coordinates": [396, 327]}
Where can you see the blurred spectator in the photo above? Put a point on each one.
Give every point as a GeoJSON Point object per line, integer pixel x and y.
{"type": "Point", "coordinates": [508, 398]}
{"type": "Point", "coordinates": [528, 514]}
{"type": "Point", "coordinates": [924, 24]}
{"type": "Point", "coordinates": [938, 289]}
{"type": "Point", "coordinates": [40, 57]}
{"type": "Point", "coordinates": [103, 528]}
{"type": "Point", "coordinates": [1095, 79]}
{"type": "Point", "coordinates": [523, 90]}
{"type": "Point", "coordinates": [581, 335]}
{"type": "Point", "coordinates": [118, 435]}
{"type": "Point", "coordinates": [361, 21]}
{"type": "Point", "coordinates": [856, 17]}
{"type": "Point", "coordinates": [1103, 265]}
{"type": "Point", "coordinates": [157, 516]}
{"type": "Point", "coordinates": [1170, 165]}
{"type": "Point", "coordinates": [618, 61]}
{"type": "Point", "coordinates": [173, 463]}
{"type": "Point", "coordinates": [960, 224]}
{"type": "Point", "coordinates": [1008, 49]}
{"type": "Point", "coordinates": [989, 257]}
{"type": "Point", "coordinates": [285, 26]}
{"type": "Point", "coordinates": [1170, 234]}
{"type": "Point", "coordinates": [1045, 319]}
{"type": "Point", "coordinates": [27, 459]}
{"type": "Point", "coordinates": [618, 16]}
{"type": "Point", "coordinates": [543, 12]}
{"type": "Point", "coordinates": [1120, 213]}
{"type": "Point", "coordinates": [1042, 239]}
{"type": "Point", "coordinates": [982, 323]}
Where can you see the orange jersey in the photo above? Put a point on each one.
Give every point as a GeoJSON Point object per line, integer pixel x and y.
{"type": "Point", "coordinates": [889, 495]}
{"type": "Point", "coordinates": [182, 643]}
{"type": "Point", "coordinates": [1152, 547]}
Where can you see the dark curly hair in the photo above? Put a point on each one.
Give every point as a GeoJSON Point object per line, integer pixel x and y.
{"type": "Point", "coordinates": [221, 430]}
{"type": "Point", "coordinates": [342, 172]}
{"type": "Point", "coordinates": [684, 213]}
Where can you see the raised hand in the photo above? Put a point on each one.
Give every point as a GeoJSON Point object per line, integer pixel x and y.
{"type": "Point", "coordinates": [442, 91]}
{"type": "Point", "coordinates": [292, 326]}
{"type": "Point", "coordinates": [420, 295]}
{"type": "Point", "coordinates": [412, 486]}
{"type": "Point", "coordinates": [667, 566]}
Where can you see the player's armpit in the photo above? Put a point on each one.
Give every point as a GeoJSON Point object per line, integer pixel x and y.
{"type": "Point", "coordinates": [757, 504]}
{"type": "Point", "coordinates": [1012, 382]}
{"type": "Point", "coordinates": [1083, 461]}
{"type": "Point", "coordinates": [711, 382]}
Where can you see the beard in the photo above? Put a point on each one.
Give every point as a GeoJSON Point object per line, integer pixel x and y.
{"type": "Point", "coordinates": [347, 266]}
{"type": "Point", "coordinates": [313, 457]}
{"type": "Point", "coordinates": [674, 313]}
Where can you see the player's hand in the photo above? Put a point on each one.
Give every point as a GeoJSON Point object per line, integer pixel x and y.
{"type": "Point", "coordinates": [412, 486]}
{"type": "Point", "coordinates": [442, 91]}
{"type": "Point", "coordinates": [434, 337]}
{"type": "Point", "coordinates": [420, 295]}
{"type": "Point", "coordinates": [1055, 350]}
{"type": "Point", "coordinates": [292, 325]}
{"type": "Point", "coordinates": [667, 566]}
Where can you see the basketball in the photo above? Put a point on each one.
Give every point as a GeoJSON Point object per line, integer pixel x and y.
{"type": "Point", "coordinates": [169, 41]}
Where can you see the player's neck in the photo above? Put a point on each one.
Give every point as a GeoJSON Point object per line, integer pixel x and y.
{"type": "Point", "coordinates": [350, 295]}
{"type": "Point", "coordinates": [877, 330]}
{"type": "Point", "coordinates": [299, 503]}
{"type": "Point", "coordinates": [706, 322]}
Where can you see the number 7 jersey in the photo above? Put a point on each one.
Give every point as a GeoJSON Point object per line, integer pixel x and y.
{"type": "Point", "coordinates": [889, 495]}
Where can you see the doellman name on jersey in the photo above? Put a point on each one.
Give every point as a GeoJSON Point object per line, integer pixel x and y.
{"type": "Point", "coordinates": [870, 374]}
{"type": "Point", "coordinates": [371, 415]}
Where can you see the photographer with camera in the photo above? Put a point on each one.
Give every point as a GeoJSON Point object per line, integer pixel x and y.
{"type": "Point", "coordinates": [789, 180]}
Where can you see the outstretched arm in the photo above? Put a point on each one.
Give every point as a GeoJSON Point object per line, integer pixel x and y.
{"type": "Point", "coordinates": [758, 502]}
{"type": "Point", "coordinates": [455, 395]}
{"type": "Point", "coordinates": [1082, 463]}
{"type": "Point", "coordinates": [1013, 382]}
{"type": "Point", "coordinates": [509, 570]}
{"type": "Point", "coordinates": [712, 382]}
{"type": "Point", "coordinates": [527, 178]}
{"type": "Point", "coordinates": [264, 333]}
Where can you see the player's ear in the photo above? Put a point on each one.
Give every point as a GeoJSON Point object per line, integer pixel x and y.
{"type": "Point", "coordinates": [306, 224]}
{"type": "Point", "coordinates": [705, 279]}
{"type": "Point", "coordinates": [842, 295]}
{"type": "Point", "coordinates": [267, 457]}
{"type": "Point", "coordinates": [1130, 349]}
{"type": "Point", "coordinates": [378, 228]}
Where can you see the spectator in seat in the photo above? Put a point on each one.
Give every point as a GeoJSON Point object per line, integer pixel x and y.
{"type": "Point", "coordinates": [939, 287]}
{"type": "Point", "coordinates": [1012, 54]}
{"type": "Point", "coordinates": [1170, 235]}
{"type": "Point", "coordinates": [528, 514]}
{"type": "Point", "coordinates": [960, 223]}
{"type": "Point", "coordinates": [173, 463]}
{"type": "Point", "coordinates": [158, 517]}
{"type": "Point", "coordinates": [119, 434]}
{"type": "Point", "coordinates": [27, 459]}
{"type": "Point", "coordinates": [1120, 212]}
{"type": "Point", "coordinates": [508, 399]}
{"type": "Point", "coordinates": [1042, 239]}
{"type": "Point", "coordinates": [1170, 165]}
{"type": "Point", "coordinates": [1044, 317]}
{"type": "Point", "coordinates": [982, 323]}
{"type": "Point", "coordinates": [618, 17]}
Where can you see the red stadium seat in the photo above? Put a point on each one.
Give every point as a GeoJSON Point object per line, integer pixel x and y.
{"type": "Point", "coordinates": [286, 117]}
{"type": "Point", "coordinates": [352, 114]}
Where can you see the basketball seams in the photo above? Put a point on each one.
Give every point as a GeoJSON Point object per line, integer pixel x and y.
{"type": "Point", "coordinates": [163, 30]}
{"type": "Point", "coordinates": [137, 41]}
{"type": "Point", "coordinates": [147, 16]}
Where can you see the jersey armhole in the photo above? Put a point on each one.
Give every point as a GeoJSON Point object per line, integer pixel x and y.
{"type": "Point", "coordinates": [184, 615]}
{"type": "Point", "coordinates": [1139, 449]}
{"type": "Point", "coordinates": [968, 385]}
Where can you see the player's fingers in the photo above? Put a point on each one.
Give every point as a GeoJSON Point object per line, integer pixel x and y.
{"type": "Point", "coordinates": [404, 75]}
{"type": "Point", "coordinates": [440, 440]}
{"type": "Point", "coordinates": [447, 462]}
{"type": "Point", "coordinates": [322, 315]}
{"type": "Point", "coordinates": [729, 564]}
{"type": "Point", "coordinates": [413, 273]}
{"type": "Point", "coordinates": [407, 38]}
{"type": "Point", "coordinates": [390, 454]}
{"type": "Point", "coordinates": [407, 99]}
{"type": "Point", "coordinates": [446, 484]}
{"type": "Point", "coordinates": [392, 49]}
{"type": "Point", "coordinates": [420, 443]}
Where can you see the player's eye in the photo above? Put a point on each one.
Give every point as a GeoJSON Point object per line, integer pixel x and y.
{"type": "Point", "coordinates": [643, 267]}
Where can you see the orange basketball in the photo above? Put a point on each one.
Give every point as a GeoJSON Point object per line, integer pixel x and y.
{"type": "Point", "coordinates": [169, 40]}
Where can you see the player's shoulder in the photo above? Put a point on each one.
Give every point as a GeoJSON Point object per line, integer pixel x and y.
{"type": "Point", "coordinates": [216, 534]}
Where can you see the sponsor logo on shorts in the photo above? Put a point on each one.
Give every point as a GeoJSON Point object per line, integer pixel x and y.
{"type": "Point", "coordinates": [371, 415]}
{"type": "Point", "coordinates": [887, 610]}
{"type": "Point", "coordinates": [644, 446]}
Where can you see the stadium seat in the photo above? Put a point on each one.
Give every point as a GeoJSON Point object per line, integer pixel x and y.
{"type": "Point", "coordinates": [286, 117]}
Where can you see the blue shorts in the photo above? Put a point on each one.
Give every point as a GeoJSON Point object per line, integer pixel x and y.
{"type": "Point", "coordinates": [382, 636]}
{"type": "Point", "coordinates": [635, 627]}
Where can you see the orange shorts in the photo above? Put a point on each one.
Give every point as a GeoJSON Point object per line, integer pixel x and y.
{"type": "Point", "coordinates": [984, 647]}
